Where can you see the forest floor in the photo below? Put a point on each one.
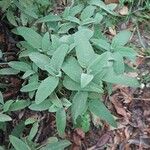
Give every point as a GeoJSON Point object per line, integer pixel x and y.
{"type": "Point", "coordinates": [130, 106]}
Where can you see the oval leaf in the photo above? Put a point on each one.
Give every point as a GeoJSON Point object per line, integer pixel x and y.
{"type": "Point", "coordinates": [4, 118]}
{"type": "Point", "coordinates": [32, 37]}
{"type": "Point", "coordinates": [78, 104]}
{"type": "Point", "coordinates": [99, 109]}
{"type": "Point", "coordinates": [18, 144]}
{"type": "Point", "coordinates": [121, 38]}
{"type": "Point", "coordinates": [46, 87]}
{"type": "Point", "coordinates": [61, 121]}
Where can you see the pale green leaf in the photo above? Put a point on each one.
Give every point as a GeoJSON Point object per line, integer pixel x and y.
{"type": "Point", "coordinates": [61, 121]}
{"type": "Point", "coordinates": [7, 105]}
{"type": "Point", "coordinates": [84, 50]}
{"type": "Point", "coordinates": [118, 63]}
{"type": "Point", "coordinates": [30, 120]}
{"type": "Point", "coordinates": [72, 68]}
{"type": "Point", "coordinates": [46, 42]}
{"type": "Point", "coordinates": [73, 19]}
{"type": "Point", "coordinates": [8, 71]}
{"type": "Point", "coordinates": [19, 105]}
{"type": "Point", "coordinates": [87, 12]}
{"type": "Point", "coordinates": [61, 145]}
{"type": "Point", "coordinates": [40, 59]}
{"type": "Point", "coordinates": [101, 43]}
{"type": "Point", "coordinates": [121, 38]}
{"type": "Point", "coordinates": [18, 144]}
{"type": "Point", "coordinates": [4, 118]}
{"type": "Point", "coordinates": [30, 87]}
{"type": "Point", "coordinates": [18, 65]}
{"type": "Point", "coordinates": [99, 63]}
{"type": "Point", "coordinates": [75, 86]}
{"type": "Point", "coordinates": [1, 54]}
{"type": "Point", "coordinates": [99, 109]}
{"type": "Point", "coordinates": [79, 104]}
{"type": "Point", "coordinates": [102, 5]}
{"type": "Point", "coordinates": [42, 106]}
{"type": "Point", "coordinates": [32, 37]}
{"type": "Point", "coordinates": [111, 77]}
{"type": "Point", "coordinates": [46, 87]}
{"type": "Point", "coordinates": [76, 9]}
{"type": "Point", "coordinates": [11, 18]}
{"type": "Point", "coordinates": [1, 98]}
{"type": "Point", "coordinates": [58, 58]}
{"type": "Point", "coordinates": [49, 18]}
{"type": "Point", "coordinates": [86, 79]}
{"type": "Point", "coordinates": [126, 52]}
{"type": "Point", "coordinates": [33, 131]}
{"type": "Point", "coordinates": [27, 74]}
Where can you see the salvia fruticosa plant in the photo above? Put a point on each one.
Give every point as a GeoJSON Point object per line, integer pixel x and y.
{"type": "Point", "coordinates": [66, 62]}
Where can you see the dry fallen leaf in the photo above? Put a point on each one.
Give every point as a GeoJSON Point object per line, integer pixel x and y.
{"type": "Point", "coordinates": [119, 108]}
{"type": "Point", "coordinates": [123, 11]}
{"type": "Point", "coordinates": [112, 31]}
{"type": "Point", "coordinates": [111, 1]}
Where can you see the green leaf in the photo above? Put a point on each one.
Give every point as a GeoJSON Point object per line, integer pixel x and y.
{"type": "Point", "coordinates": [46, 42]}
{"type": "Point", "coordinates": [61, 121]}
{"type": "Point", "coordinates": [11, 18]}
{"type": "Point", "coordinates": [19, 105]}
{"type": "Point", "coordinates": [79, 104]}
{"type": "Point", "coordinates": [99, 109]}
{"type": "Point", "coordinates": [111, 77]}
{"type": "Point", "coordinates": [8, 71]}
{"type": "Point", "coordinates": [121, 38]}
{"type": "Point", "coordinates": [126, 52]}
{"type": "Point", "coordinates": [42, 106]}
{"type": "Point", "coordinates": [58, 58]}
{"type": "Point", "coordinates": [49, 18]}
{"type": "Point", "coordinates": [99, 63]}
{"type": "Point", "coordinates": [27, 74]}
{"type": "Point", "coordinates": [4, 4]}
{"type": "Point", "coordinates": [73, 19]}
{"type": "Point", "coordinates": [4, 118]}
{"type": "Point", "coordinates": [84, 50]}
{"type": "Point", "coordinates": [75, 86]}
{"type": "Point", "coordinates": [61, 145]}
{"type": "Point", "coordinates": [101, 43]}
{"type": "Point", "coordinates": [27, 10]}
{"type": "Point", "coordinates": [76, 9]}
{"type": "Point", "coordinates": [40, 59]}
{"type": "Point", "coordinates": [70, 84]}
{"type": "Point", "coordinates": [119, 67]}
{"type": "Point", "coordinates": [18, 129]}
{"type": "Point", "coordinates": [18, 65]}
{"type": "Point", "coordinates": [30, 87]}
{"type": "Point", "coordinates": [102, 5]}
{"type": "Point", "coordinates": [1, 54]}
{"type": "Point", "coordinates": [87, 12]}
{"type": "Point", "coordinates": [32, 37]}
{"type": "Point", "coordinates": [18, 144]}
{"type": "Point", "coordinates": [74, 73]}
{"type": "Point", "coordinates": [1, 98]}
{"type": "Point", "coordinates": [55, 100]}
{"type": "Point", "coordinates": [33, 131]}
{"type": "Point", "coordinates": [46, 87]}
{"type": "Point", "coordinates": [7, 105]}
{"type": "Point", "coordinates": [86, 79]}
{"type": "Point", "coordinates": [98, 18]}
{"type": "Point", "coordinates": [87, 21]}
{"type": "Point", "coordinates": [30, 120]}
{"type": "Point", "coordinates": [66, 102]}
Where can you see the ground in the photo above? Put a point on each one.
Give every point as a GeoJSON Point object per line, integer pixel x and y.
{"type": "Point", "coordinates": [129, 105]}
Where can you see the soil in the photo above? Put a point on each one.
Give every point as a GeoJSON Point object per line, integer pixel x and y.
{"type": "Point", "coordinates": [129, 106]}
